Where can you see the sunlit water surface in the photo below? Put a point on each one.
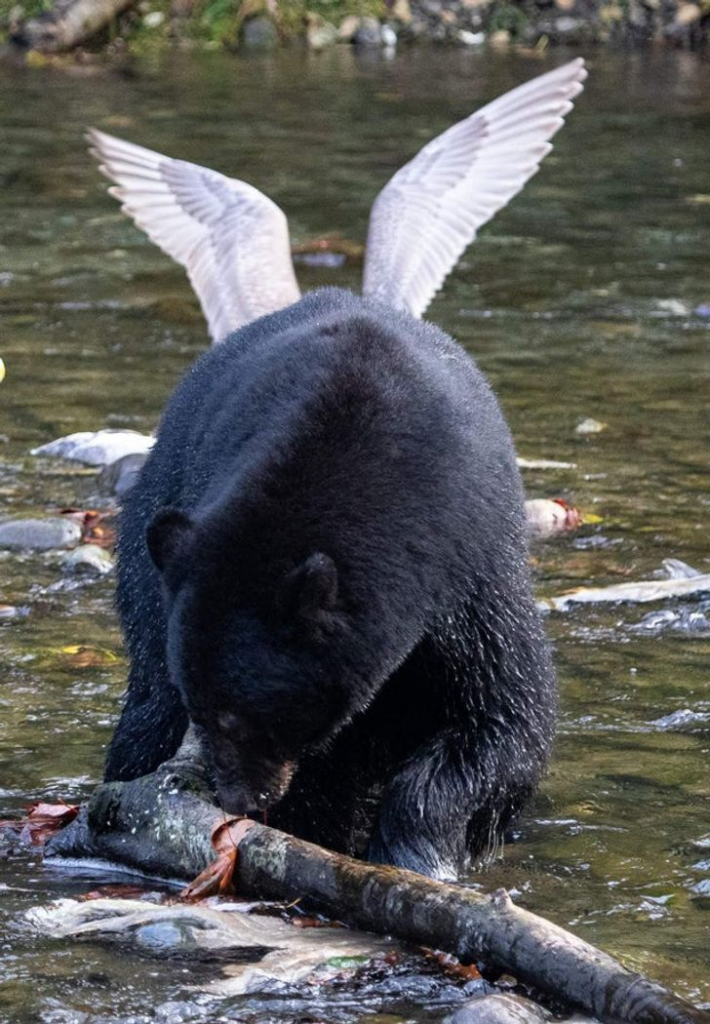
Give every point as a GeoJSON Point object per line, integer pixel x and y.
{"type": "Point", "coordinates": [578, 301]}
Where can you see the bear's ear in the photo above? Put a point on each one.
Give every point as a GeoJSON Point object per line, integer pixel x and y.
{"type": "Point", "coordinates": [168, 537]}
{"type": "Point", "coordinates": [311, 588]}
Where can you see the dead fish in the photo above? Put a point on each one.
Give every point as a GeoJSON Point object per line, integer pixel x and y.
{"type": "Point", "coordinates": [548, 516]}
{"type": "Point", "coordinates": [633, 593]}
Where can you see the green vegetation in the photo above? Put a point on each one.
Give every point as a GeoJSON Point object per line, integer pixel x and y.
{"type": "Point", "coordinates": [10, 8]}
{"type": "Point", "coordinates": [507, 17]}
{"type": "Point", "coordinates": [208, 22]}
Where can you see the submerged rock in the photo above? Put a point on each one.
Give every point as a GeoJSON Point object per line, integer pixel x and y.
{"type": "Point", "coordinates": [499, 1009]}
{"type": "Point", "coordinates": [332, 260]}
{"type": "Point", "coordinates": [683, 720]}
{"type": "Point", "coordinates": [259, 33]}
{"type": "Point", "coordinates": [680, 620]}
{"type": "Point", "coordinates": [319, 33]}
{"type": "Point", "coordinates": [39, 534]}
{"type": "Point", "coordinates": [368, 33]}
{"type": "Point", "coordinates": [10, 612]}
{"type": "Point", "coordinates": [590, 426]}
{"type": "Point", "coordinates": [675, 569]}
{"type": "Point", "coordinates": [98, 447]}
{"type": "Point", "coordinates": [348, 27]}
{"type": "Point", "coordinates": [119, 476]}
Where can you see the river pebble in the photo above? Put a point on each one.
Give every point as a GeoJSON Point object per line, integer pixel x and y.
{"type": "Point", "coordinates": [119, 476]}
{"type": "Point", "coordinates": [499, 1009]}
{"type": "Point", "coordinates": [98, 447]}
{"type": "Point", "coordinates": [680, 620]}
{"type": "Point", "coordinates": [681, 720]}
{"type": "Point", "coordinates": [39, 534]}
{"type": "Point", "coordinates": [10, 612]}
{"type": "Point", "coordinates": [589, 426]}
{"type": "Point", "coordinates": [368, 33]}
{"type": "Point", "coordinates": [259, 33]}
{"type": "Point", "coordinates": [88, 557]}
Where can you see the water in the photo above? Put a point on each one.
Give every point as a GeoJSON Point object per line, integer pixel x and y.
{"type": "Point", "coordinates": [577, 301]}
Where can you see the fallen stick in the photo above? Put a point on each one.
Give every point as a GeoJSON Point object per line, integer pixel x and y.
{"type": "Point", "coordinates": [162, 826]}
{"type": "Point", "coordinates": [68, 23]}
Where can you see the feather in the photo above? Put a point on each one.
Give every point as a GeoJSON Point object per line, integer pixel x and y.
{"type": "Point", "coordinates": [432, 208]}
{"type": "Point", "coordinates": [232, 240]}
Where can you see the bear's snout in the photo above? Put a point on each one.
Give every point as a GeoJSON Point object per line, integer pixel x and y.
{"type": "Point", "coordinates": [254, 788]}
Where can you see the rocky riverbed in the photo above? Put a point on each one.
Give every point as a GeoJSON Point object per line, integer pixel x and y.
{"type": "Point", "coordinates": [373, 24]}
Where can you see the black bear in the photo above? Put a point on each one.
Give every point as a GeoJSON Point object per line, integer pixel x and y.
{"type": "Point", "coordinates": [323, 566]}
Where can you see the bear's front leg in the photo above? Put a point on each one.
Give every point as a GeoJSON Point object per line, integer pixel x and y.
{"type": "Point", "coordinates": [149, 732]}
{"type": "Point", "coordinates": [449, 805]}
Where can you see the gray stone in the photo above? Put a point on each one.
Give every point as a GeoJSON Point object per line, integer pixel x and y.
{"type": "Point", "coordinates": [39, 534]}
{"type": "Point", "coordinates": [567, 25]}
{"type": "Point", "coordinates": [348, 28]}
{"type": "Point", "coordinates": [119, 476]}
{"type": "Point", "coordinates": [164, 936]}
{"type": "Point", "coordinates": [368, 33]}
{"type": "Point", "coordinates": [98, 447]}
{"type": "Point", "coordinates": [388, 37]}
{"type": "Point", "coordinates": [9, 612]}
{"type": "Point", "coordinates": [259, 34]}
{"type": "Point", "coordinates": [320, 34]}
{"type": "Point", "coordinates": [499, 1009]}
{"type": "Point", "coordinates": [89, 557]}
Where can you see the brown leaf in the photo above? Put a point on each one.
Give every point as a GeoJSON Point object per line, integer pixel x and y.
{"type": "Point", "coordinates": [453, 966]}
{"type": "Point", "coordinates": [83, 656]}
{"type": "Point", "coordinates": [42, 821]}
{"type": "Point", "coordinates": [96, 527]}
{"type": "Point", "coordinates": [218, 877]}
{"type": "Point", "coordinates": [215, 880]}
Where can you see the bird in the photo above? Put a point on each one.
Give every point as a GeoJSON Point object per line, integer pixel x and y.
{"type": "Point", "coordinates": [234, 241]}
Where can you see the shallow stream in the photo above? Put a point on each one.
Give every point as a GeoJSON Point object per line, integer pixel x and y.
{"type": "Point", "coordinates": [578, 301]}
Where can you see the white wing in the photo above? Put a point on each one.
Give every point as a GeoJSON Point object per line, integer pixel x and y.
{"type": "Point", "coordinates": [232, 240]}
{"type": "Point", "coordinates": [430, 211]}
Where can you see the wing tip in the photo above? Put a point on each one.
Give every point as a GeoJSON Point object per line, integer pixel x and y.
{"type": "Point", "coordinates": [570, 76]}
{"type": "Point", "coordinates": [98, 139]}
{"type": "Point", "coordinates": [581, 73]}
{"type": "Point", "coordinates": [100, 150]}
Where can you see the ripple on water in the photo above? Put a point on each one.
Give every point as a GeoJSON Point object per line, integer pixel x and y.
{"type": "Point", "coordinates": [584, 299]}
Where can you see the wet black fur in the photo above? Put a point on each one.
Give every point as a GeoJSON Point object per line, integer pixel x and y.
{"type": "Point", "coordinates": [344, 598]}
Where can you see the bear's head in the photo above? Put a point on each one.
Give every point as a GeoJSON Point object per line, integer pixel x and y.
{"type": "Point", "coordinates": [268, 668]}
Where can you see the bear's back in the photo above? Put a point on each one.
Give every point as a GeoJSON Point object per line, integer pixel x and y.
{"type": "Point", "coordinates": [335, 425]}
{"type": "Point", "coordinates": [331, 356]}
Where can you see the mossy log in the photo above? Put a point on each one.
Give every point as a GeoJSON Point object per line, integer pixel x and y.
{"type": "Point", "coordinates": [68, 23]}
{"type": "Point", "coordinates": [162, 826]}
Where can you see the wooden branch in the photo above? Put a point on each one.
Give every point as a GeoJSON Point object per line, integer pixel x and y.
{"type": "Point", "coordinates": [162, 825]}
{"type": "Point", "coordinates": [68, 23]}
